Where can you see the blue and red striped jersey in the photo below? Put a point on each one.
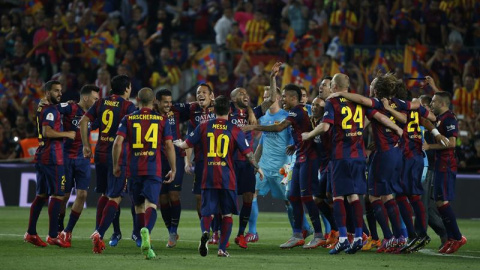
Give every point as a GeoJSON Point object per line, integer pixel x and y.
{"type": "Point", "coordinates": [322, 145]}
{"type": "Point", "coordinates": [49, 151]}
{"type": "Point", "coordinates": [298, 117]}
{"type": "Point", "coordinates": [385, 138]}
{"type": "Point", "coordinates": [219, 138]}
{"type": "Point", "coordinates": [109, 112]}
{"type": "Point", "coordinates": [72, 113]}
{"type": "Point", "coordinates": [447, 125]}
{"type": "Point", "coordinates": [196, 115]}
{"type": "Point", "coordinates": [347, 119]}
{"type": "Point", "coordinates": [174, 119]}
{"type": "Point", "coordinates": [145, 132]}
{"type": "Point", "coordinates": [412, 133]}
{"type": "Point", "coordinates": [239, 117]}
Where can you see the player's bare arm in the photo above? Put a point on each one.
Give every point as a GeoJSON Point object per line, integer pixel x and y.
{"type": "Point", "coordinates": [439, 138]}
{"type": "Point", "coordinates": [318, 130]}
{"type": "Point", "coordinates": [87, 148]}
{"type": "Point", "coordinates": [384, 120]}
{"type": "Point", "coordinates": [452, 142]}
{"type": "Point", "coordinates": [252, 120]}
{"type": "Point", "coordinates": [252, 161]}
{"type": "Point", "coordinates": [272, 128]}
{"type": "Point", "coordinates": [398, 115]}
{"type": "Point", "coordinates": [181, 144]}
{"type": "Point", "coordinates": [188, 161]}
{"type": "Point", "coordinates": [258, 152]}
{"type": "Point", "coordinates": [272, 97]}
{"type": "Point", "coordinates": [49, 132]}
{"type": "Point", "coordinates": [359, 99]}
{"type": "Point", "coordinates": [170, 151]}
{"type": "Point", "coordinates": [116, 150]}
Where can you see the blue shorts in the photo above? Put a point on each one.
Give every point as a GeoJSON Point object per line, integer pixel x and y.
{"type": "Point", "coordinates": [213, 199]}
{"type": "Point", "coordinates": [50, 179]}
{"type": "Point", "coordinates": [197, 179]}
{"type": "Point", "coordinates": [176, 185]}
{"type": "Point", "coordinates": [411, 181]}
{"type": "Point", "coordinates": [101, 172]}
{"type": "Point", "coordinates": [348, 177]}
{"type": "Point", "coordinates": [78, 173]}
{"type": "Point", "coordinates": [144, 187]}
{"type": "Point", "coordinates": [245, 174]}
{"type": "Point", "coordinates": [117, 186]}
{"type": "Point", "coordinates": [322, 184]}
{"type": "Point", "coordinates": [385, 172]}
{"type": "Point", "coordinates": [444, 184]}
{"type": "Point", "coordinates": [271, 182]}
{"type": "Point", "coordinates": [304, 179]}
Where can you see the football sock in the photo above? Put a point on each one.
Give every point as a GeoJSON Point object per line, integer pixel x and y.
{"type": "Point", "coordinates": [102, 201]}
{"type": "Point", "coordinates": [150, 218]}
{"type": "Point", "coordinates": [140, 218]}
{"type": "Point", "coordinates": [372, 223]}
{"type": "Point", "coordinates": [244, 217]}
{"type": "Point", "coordinates": [216, 222]}
{"type": "Point", "coordinates": [403, 228]}
{"type": "Point", "coordinates": [298, 214]}
{"type": "Point", "coordinates": [340, 217]}
{"type": "Point", "coordinates": [108, 215]}
{"type": "Point", "coordinates": [313, 213]}
{"type": "Point", "coordinates": [252, 222]}
{"type": "Point", "coordinates": [327, 213]}
{"type": "Point", "coordinates": [61, 220]}
{"type": "Point", "coordinates": [357, 218]}
{"type": "Point", "coordinates": [35, 210]}
{"type": "Point", "coordinates": [53, 212]}
{"type": "Point", "coordinates": [166, 212]}
{"type": "Point", "coordinates": [205, 223]}
{"type": "Point", "coordinates": [116, 222]}
{"type": "Point", "coordinates": [134, 215]}
{"type": "Point", "coordinates": [225, 232]}
{"type": "Point", "coordinates": [72, 221]}
{"type": "Point", "coordinates": [290, 214]}
{"type": "Point", "coordinates": [419, 210]}
{"type": "Point", "coordinates": [365, 228]}
{"type": "Point", "coordinates": [349, 217]}
{"type": "Point", "coordinates": [406, 212]}
{"type": "Point", "coordinates": [176, 209]}
{"type": "Point", "coordinates": [450, 222]}
{"type": "Point", "coordinates": [394, 216]}
{"type": "Point", "coordinates": [382, 217]}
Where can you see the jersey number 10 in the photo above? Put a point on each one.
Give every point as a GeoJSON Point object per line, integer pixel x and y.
{"type": "Point", "coordinates": [216, 149]}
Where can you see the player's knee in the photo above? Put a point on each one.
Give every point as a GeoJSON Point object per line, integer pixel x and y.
{"type": "Point", "coordinates": [149, 204]}
{"type": "Point", "coordinates": [440, 203]}
{"type": "Point", "coordinates": [247, 197]}
{"type": "Point", "coordinates": [163, 199]}
{"type": "Point", "coordinates": [227, 215]}
{"type": "Point", "coordinates": [81, 195]}
{"type": "Point", "coordinates": [317, 200]}
{"type": "Point", "coordinates": [387, 198]}
{"type": "Point", "coordinates": [174, 196]}
{"type": "Point", "coordinates": [118, 200]}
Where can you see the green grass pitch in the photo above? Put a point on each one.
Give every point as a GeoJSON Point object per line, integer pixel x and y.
{"type": "Point", "coordinates": [273, 230]}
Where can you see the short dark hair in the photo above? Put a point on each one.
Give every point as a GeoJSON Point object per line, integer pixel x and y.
{"type": "Point", "coordinates": [48, 85]}
{"type": "Point", "coordinates": [222, 105]}
{"type": "Point", "coordinates": [445, 96]}
{"type": "Point", "coordinates": [206, 85]}
{"type": "Point", "coordinates": [120, 83]}
{"type": "Point", "coordinates": [87, 89]}
{"type": "Point", "coordinates": [163, 92]}
{"type": "Point", "coordinates": [294, 88]}
{"type": "Point", "coordinates": [426, 98]}
{"type": "Point", "coordinates": [327, 78]}
{"type": "Point", "coordinates": [145, 96]}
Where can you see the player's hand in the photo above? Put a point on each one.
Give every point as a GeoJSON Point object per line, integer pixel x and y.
{"type": "Point", "coordinates": [43, 102]}
{"type": "Point", "coordinates": [87, 152]}
{"type": "Point", "coordinates": [425, 146]}
{"type": "Point", "coordinates": [178, 142]}
{"type": "Point", "coordinates": [290, 150]}
{"type": "Point", "coordinates": [429, 80]}
{"type": "Point", "coordinates": [189, 168]}
{"type": "Point", "coordinates": [305, 136]}
{"type": "Point", "coordinates": [399, 132]}
{"type": "Point", "coordinates": [442, 140]}
{"type": "Point", "coordinates": [252, 120]}
{"type": "Point", "coordinates": [260, 174]}
{"type": "Point", "coordinates": [334, 95]}
{"type": "Point", "coordinates": [116, 171]}
{"type": "Point", "coordinates": [386, 105]}
{"type": "Point", "coordinates": [275, 69]}
{"type": "Point", "coordinates": [70, 134]}
{"type": "Point", "coordinates": [170, 176]}
{"type": "Point", "coordinates": [248, 128]}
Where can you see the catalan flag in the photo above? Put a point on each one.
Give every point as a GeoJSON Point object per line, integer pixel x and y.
{"type": "Point", "coordinates": [296, 77]}
{"type": "Point", "coordinates": [379, 63]}
{"type": "Point", "coordinates": [32, 7]}
{"type": "Point", "coordinates": [290, 42]}
{"type": "Point", "coordinates": [206, 60]}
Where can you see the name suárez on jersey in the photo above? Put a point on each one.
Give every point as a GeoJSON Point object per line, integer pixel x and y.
{"type": "Point", "coordinates": [145, 117]}
{"type": "Point", "coordinates": [218, 126]}
{"type": "Point", "coordinates": [111, 103]}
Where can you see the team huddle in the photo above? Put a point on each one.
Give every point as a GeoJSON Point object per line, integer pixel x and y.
{"type": "Point", "coordinates": [325, 165]}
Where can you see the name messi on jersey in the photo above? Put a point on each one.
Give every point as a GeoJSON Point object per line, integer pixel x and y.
{"type": "Point", "coordinates": [218, 126]}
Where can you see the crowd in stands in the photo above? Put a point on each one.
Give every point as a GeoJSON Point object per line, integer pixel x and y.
{"type": "Point", "coordinates": [233, 43]}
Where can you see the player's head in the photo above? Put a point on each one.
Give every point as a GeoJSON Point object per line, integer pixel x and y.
{"type": "Point", "coordinates": [204, 95]}
{"type": "Point", "coordinates": [163, 101]}
{"type": "Point", "coordinates": [291, 96]}
{"type": "Point", "coordinates": [425, 101]}
{"type": "Point", "coordinates": [324, 88]}
{"type": "Point", "coordinates": [400, 90]}
{"type": "Point", "coordinates": [240, 97]}
{"type": "Point", "coordinates": [384, 86]}
{"type": "Point", "coordinates": [318, 106]}
{"type": "Point", "coordinates": [145, 97]}
{"type": "Point", "coordinates": [304, 98]}
{"type": "Point", "coordinates": [221, 106]}
{"type": "Point", "coordinates": [266, 93]}
{"type": "Point", "coordinates": [340, 83]}
{"type": "Point", "coordinates": [121, 85]}
{"type": "Point", "coordinates": [89, 94]}
{"type": "Point", "coordinates": [53, 91]}
{"type": "Point", "coordinates": [440, 102]}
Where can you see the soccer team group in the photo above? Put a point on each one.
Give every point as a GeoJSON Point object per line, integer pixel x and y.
{"type": "Point", "coordinates": [140, 153]}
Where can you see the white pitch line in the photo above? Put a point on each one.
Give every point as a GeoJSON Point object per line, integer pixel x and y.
{"type": "Point", "coordinates": [433, 253]}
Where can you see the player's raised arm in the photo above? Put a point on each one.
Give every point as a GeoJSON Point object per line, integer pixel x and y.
{"type": "Point", "coordinates": [272, 97]}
